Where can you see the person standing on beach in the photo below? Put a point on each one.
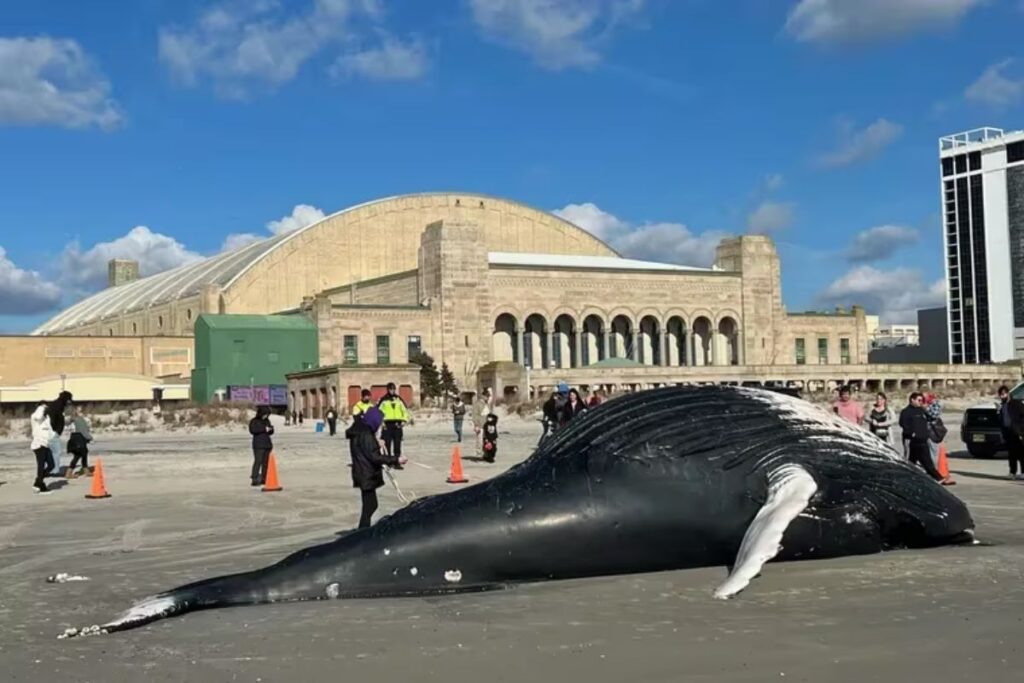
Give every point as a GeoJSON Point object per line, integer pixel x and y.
{"type": "Point", "coordinates": [1011, 422]}
{"type": "Point", "coordinates": [332, 420]}
{"type": "Point", "coordinates": [368, 461]}
{"type": "Point", "coordinates": [78, 444]}
{"type": "Point", "coordinates": [396, 414]}
{"type": "Point", "coordinates": [847, 408]}
{"type": "Point", "coordinates": [262, 445]}
{"type": "Point", "coordinates": [458, 416]}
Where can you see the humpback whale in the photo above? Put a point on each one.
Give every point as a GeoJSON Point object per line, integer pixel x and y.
{"type": "Point", "coordinates": [665, 479]}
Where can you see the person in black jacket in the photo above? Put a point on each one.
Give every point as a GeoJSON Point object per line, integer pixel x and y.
{"type": "Point", "coordinates": [332, 420]}
{"type": "Point", "coordinates": [261, 429]}
{"type": "Point", "coordinates": [1011, 421]}
{"type": "Point", "coordinates": [916, 433]}
{"type": "Point", "coordinates": [55, 410]}
{"type": "Point", "coordinates": [574, 407]}
{"type": "Point", "coordinates": [368, 461]}
{"type": "Point", "coordinates": [552, 411]}
{"type": "Point", "coordinates": [490, 438]}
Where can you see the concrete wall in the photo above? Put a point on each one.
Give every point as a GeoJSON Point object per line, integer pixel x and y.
{"type": "Point", "coordinates": [832, 327]}
{"type": "Point", "coordinates": [334, 323]}
{"type": "Point", "coordinates": [401, 289]}
{"type": "Point", "coordinates": [313, 391]}
{"type": "Point", "coordinates": [24, 358]}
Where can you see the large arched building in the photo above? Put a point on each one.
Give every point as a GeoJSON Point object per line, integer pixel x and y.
{"type": "Point", "coordinates": [476, 280]}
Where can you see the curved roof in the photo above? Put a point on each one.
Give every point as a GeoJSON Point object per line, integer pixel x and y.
{"type": "Point", "coordinates": [222, 270]}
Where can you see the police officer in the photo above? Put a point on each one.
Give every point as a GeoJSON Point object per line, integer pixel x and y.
{"type": "Point", "coordinates": [396, 414]}
{"type": "Point", "coordinates": [363, 405]}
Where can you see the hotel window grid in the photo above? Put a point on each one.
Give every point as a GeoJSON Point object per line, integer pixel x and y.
{"type": "Point", "coordinates": [350, 355]}
{"type": "Point", "coordinates": [801, 351]}
{"type": "Point", "coordinates": [822, 351]}
{"type": "Point", "coordinates": [964, 219]}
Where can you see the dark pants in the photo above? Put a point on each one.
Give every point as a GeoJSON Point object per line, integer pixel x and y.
{"type": "Point", "coordinates": [333, 425]}
{"type": "Point", "coordinates": [392, 433]}
{"type": "Point", "coordinates": [921, 454]}
{"type": "Point", "coordinates": [44, 463]}
{"type": "Point", "coordinates": [458, 428]}
{"type": "Point", "coordinates": [260, 456]}
{"type": "Point", "coordinates": [369, 507]}
{"type": "Point", "coordinates": [80, 454]}
{"type": "Point", "coordinates": [1015, 450]}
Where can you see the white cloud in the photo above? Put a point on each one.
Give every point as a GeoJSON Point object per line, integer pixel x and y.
{"type": "Point", "coordinates": [392, 61]}
{"type": "Point", "coordinates": [237, 240]}
{"type": "Point", "coordinates": [771, 217]}
{"type": "Point", "coordinates": [87, 270]}
{"type": "Point", "coordinates": [594, 220]}
{"type": "Point", "coordinates": [52, 82]}
{"type": "Point", "coordinates": [239, 46]}
{"type": "Point", "coordinates": [301, 216]}
{"type": "Point", "coordinates": [895, 295]}
{"type": "Point", "coordinates": [24, 292]}
{"type": "Point", "coordinates": [862, 21]}
{"type": "Point", "coordinates": [879, 242]}
{"type": "Point", "coordinates": [862, 145]}
{"type": "Point", "coordinates": [557, 34]}
{"type": "Point", "coordinates": [663, 242]}
{"type": "Point", "coordinates": [994, 88]}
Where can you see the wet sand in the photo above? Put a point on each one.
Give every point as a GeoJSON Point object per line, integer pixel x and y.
{"type": "Point", "coordinates": [182, 510]}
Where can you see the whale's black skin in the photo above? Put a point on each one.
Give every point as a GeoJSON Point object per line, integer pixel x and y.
{"type": "Point", "coordinates": [658, 480]}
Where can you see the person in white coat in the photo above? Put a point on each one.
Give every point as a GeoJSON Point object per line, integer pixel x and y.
{"type": "Point", "coordinates": [47, 424]}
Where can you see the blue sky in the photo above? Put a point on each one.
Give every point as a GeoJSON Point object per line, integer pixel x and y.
{"type": "Point", "coordinates": [164, 130]}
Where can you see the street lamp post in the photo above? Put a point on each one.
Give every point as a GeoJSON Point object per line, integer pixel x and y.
{"type": "Point", "coordinates": [63, 379]}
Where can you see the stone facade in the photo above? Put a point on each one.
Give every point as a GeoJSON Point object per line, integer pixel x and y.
{"type": "Point", "coordinates": [470, 311]}
{"type": "Point", "coordinates": [312, 392]}
{"type": "Point", "coordinates": [366, 242]}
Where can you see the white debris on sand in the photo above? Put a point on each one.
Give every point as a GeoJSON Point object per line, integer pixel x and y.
{"type": "Point", "coordinates": [64, 577]}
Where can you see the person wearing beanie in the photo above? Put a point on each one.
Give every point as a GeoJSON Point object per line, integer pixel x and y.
{"type": "Point", "coordinates": [368, 461]}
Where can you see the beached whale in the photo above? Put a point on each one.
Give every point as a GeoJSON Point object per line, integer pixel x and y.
{"type": "Point", "coordinates": [665, 479]}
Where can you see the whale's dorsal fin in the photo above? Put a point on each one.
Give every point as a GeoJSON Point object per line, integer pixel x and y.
{"type": "Point", "coordinates": [790, 489]}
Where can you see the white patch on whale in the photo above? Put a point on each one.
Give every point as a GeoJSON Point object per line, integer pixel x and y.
{"type": "Point", "coordinates": [805, 414]}
{"type": "Point", "coordinates": [414, 571]}
{"type": "Point", "coordinates": [790, 489]}
{"type": "Point", "coordinates": [387, 551]}
{"type": "Point", "coordinates": [453, 576]}
{"type": "Point", "coordinates": [856, 518]}
{"type": "Point", "coordinates": [333, 591]}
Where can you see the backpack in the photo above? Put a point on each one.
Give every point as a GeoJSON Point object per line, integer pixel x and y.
{"type": "Point", "coordinates": [937, 430]}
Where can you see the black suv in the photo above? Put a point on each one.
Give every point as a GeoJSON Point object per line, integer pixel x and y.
{"type": "Point", "coordinates": [980, 430]}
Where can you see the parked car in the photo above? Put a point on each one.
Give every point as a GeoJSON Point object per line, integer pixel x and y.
{"type": "Point", "coordinates": [980, 430]}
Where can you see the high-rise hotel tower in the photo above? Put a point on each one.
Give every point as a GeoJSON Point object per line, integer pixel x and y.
{"type": "Point", "coordinates": [983, 219]}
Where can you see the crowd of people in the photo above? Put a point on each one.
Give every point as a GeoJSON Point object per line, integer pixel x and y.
{"type": "Point", "coordinates": [918, 431]}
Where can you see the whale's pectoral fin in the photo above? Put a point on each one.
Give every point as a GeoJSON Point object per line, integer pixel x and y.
{"type": "Point", "coordinates": [790, 489]}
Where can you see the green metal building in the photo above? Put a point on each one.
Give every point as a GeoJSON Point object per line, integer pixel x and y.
{"type": "Point", "coordinates": [246, 357]}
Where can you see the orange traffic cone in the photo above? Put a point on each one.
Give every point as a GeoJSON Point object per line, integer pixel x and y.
{"type": "Point", "coordinates": [456, 476]}
{"type": "Point", "coordinates": [943, 461]}
{"type": "Point", "coordinates": [272, 484]}
{"type": "Point", "coordinates": [99, 488]}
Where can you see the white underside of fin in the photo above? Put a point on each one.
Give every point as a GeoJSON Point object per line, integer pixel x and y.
{"type": "Point", "coordinates": [790, 489]}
